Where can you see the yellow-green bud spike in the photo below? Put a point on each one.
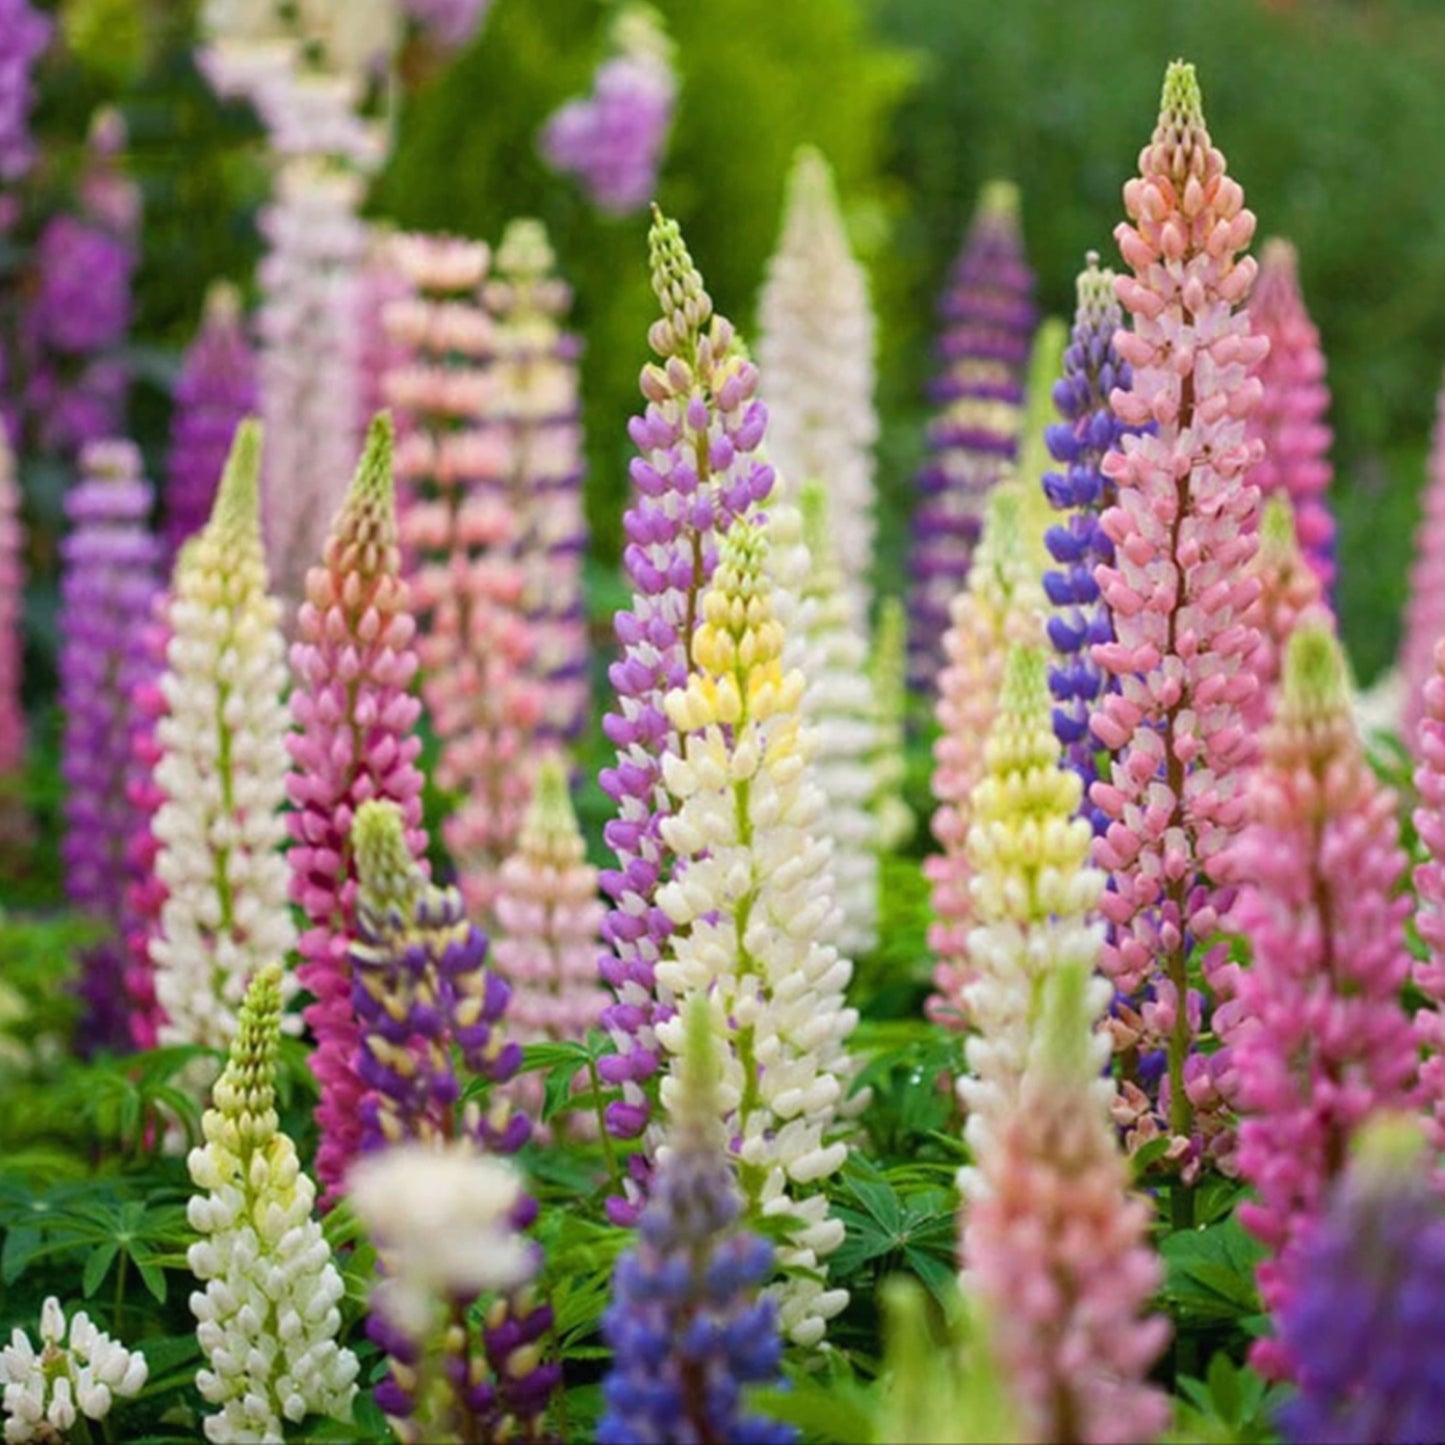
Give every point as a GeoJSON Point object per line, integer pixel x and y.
{"type": "Point", "coordinates": [389, 882]}
{"type": "Point", "coordinates": [237, 507]}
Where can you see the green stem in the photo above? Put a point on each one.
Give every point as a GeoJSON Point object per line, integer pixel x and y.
{"type": "Point", "coordinates": [119, 1303]}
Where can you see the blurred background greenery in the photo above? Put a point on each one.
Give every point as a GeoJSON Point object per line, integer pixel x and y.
{"type": "Point", "coordinates": [1331, 114]}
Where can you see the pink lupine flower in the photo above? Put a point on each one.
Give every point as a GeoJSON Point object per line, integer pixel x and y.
{"type": "Point", "coordinates": [1316, 1034]}
{"type": "Point", "coordinates": [1425, 611]}
{"type": "Point", "coordinates": [1429, 972]}
{"type": "Point", "coordinates": [353, 664]}
{"type": "Point", "coordinates": [1180, 588]}
{"type": "Point", "coordinates": [1290, 419]}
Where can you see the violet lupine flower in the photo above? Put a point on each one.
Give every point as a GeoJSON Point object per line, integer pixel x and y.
{"type": "Point", "coordinates": [537, 406]}
{"type": "Point", "coordinates": [988, 323]}
{"type": "Point", "coordinates": [458, 536]}
{"type": "Point", "coordinates": [613, 140]}
{"type": "Point", "coordinates": [1180, 592]}
{"type": "Point", "coordinates": [24, 35]}
{"type": "Point", "coordinates": [1368, 1321]}
{"type": "Point", "coordinates": [12, 591]}
{"type": "Point", "coordinates": [687, 1324]}
{"type": "Point", "coordinates": [1317, 1037]}
{"type": "Point", "coordinates": [353, 666]}
{"type": "Point", "coordinates": [428, 1004]}
{"type": "Point", "coordinates": [1089, 430]}
{"type": "Point", "coordinates": [1290, 418]}
{"type": "Point", "coordinates": [215, 391]}
{"type": "Point", "coordinates": [1425, 609]}
{"type": "Point", "coordinates": [698, 471]}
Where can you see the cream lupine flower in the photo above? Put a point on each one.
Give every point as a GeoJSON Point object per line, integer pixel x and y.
{"type": "Point", "coordinates": [222, 770]}
{"type": "Point", "coordinates": [48, 1391]}
{"type": "Point", "coordinates": [751, 905]}
{"type": "Point", "coordinates": [268, 1317]}
{"type": "Point", "coordinates": [816, 355]}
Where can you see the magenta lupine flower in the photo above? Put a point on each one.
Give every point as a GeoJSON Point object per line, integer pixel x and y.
{"type": "Point", "coordinates": [1180, 589]}
{"type": "Point", "coordinates": [537, 406]}
{"type": "Point", "coordinates": [1429, 972]}
{"type": "Point", "coordinates": [613, 140]}
{"type": "Point", "coordinates": [698, 471]}
{"type": "Point", "coordinates": [1080, 620]}
{"type": "Point", "coordinates": [988, 323]}
{"type": "Point", "coordinates": [24, 35]}
{"type": "Point", "coordinates": [1425, 610]}
{"type": "Point", "coordinates": [353, 665]}
{"type": "Point", "coordinates": [1318, 1039]}
{"type": "Point", "coordinates": [458, 535]}
{"type": "Point", "coordinates": [12, 592]}
{"type": "Point", "coordinates": [1290, 418]}
{"type": "Point", "coordinates": [215, 391]}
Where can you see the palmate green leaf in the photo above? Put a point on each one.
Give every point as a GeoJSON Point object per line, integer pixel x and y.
{"type": "Point", "coordinates": [97, 1266]}
{"type": "Point", "coordinates": [22, 1245]}
{"type": "Point", "coordinates": [1209, 1273]}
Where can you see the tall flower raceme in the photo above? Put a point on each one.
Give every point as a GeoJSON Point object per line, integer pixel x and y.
{"type": "Point", "coordinates": [1317, 1036]}
{"type": "Point", "coordinates": [353, 665]}
{"type": "Point", "coordinates": [1429, 971]}
{"type": "Point", "coordinates": [24, 35]}
{"type": "Point", "coordinates": [78, 1373]}
{"type": "Point", "coordinates": [687, 1324]}
{"type": "Point", "coordinates": [1001, 607]}
{"type": "Point", "coordinates": [816, 352]}
{"type": "Point", "coordinates": [549, 919]}
{"type": "Point", "coordinates": [12, 590]}
{"type": "Point", "coordinates": [1079, 620]}
{"type": "Point", "coordinates": [268, 1316]}
{"type": "Point", "coordinates": [538, 407]}
{"type": "Point", "coordinates": [1290, 419]}
{"type": "Point", "coordinates": [222, 769]}
{"type": "Point", "coordinates": [108, 581]}
{"type": "Point", "coordinates": [215, 391]}
{"type": "Point", "coordinates": [840, 706]}
{"type": "Point", "coordinates": [1289, 591]}
{"type": "Point", "coordinates": [1046, 364]}
{"type": "Point", "coordinates": [751, 906]}
{"type": "Point", "coordinates": [430, 1017]}
{"type": "Point", "coordinates": [613, 140]}
{"type": "Point", "coordinates": [1180, 591]}
{"type": "Point", "coordinates": [888, 672]}
{"type": "Point", "coordinates": [1425, 609]}
{"type": "Point", "coordinates": [699, 468]}
{"type": "Point", "coordinates": [988, 322]}
{"type": "Point", "coordinates": [1368, 1321]}
{"type": "Point", "coordinates": [458, 535]}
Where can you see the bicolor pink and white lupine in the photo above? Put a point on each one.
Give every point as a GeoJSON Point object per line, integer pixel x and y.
{"type": "Point", "coordinates": [1429, 971]}
{"type": "Point", "coordinates": [1425, 609]}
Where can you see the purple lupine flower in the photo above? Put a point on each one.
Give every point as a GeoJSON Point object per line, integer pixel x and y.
{"type": "Point", "coordinates": [108, 586]}
{"type": "Point", "coordinates": [450, 23]}
{"type": "Point", "coordinates": [82, 303]}
{"type": "Point", "coordinates": [214, 392]}
{"type": "Point", "coordinates": [687, 1325]}
{"type": "Point", "coordinates": [1080, 620]}
{"type": "Point", "coordinates": [24, 34]}
{"type": "Point", "coordinates": [1368, 1322]}
{"type": "Point", "coordinates": [426, 1001]}
{"type": "Point", "coordinates": [697, 472]}
{"type": "Point", "coordinates": [613, 140]}
{"type": "Point", "coordinates": [988, 324]}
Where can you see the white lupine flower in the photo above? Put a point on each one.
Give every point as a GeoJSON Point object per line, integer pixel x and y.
{"type": "Point", "coordinates": [46, 1392]}
{"type": "Point", "coordinates": [269, 1315]}
{"type": "Point", "coordinates": [222, 771]}
{"type": "Point", "coordinates": [754, 907]}
{"type": "Point", "coordinates": [815, 356]}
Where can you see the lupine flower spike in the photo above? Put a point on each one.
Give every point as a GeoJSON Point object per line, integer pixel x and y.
{"type": "Point", "coordinates": [816, 353]}
{"type": "Point", "coordinates": [353, 665]}
{"type": "Point", "coordinates": [1290, 419]}
{"type": "Point", "coordinates": [698, 470]}
{"type": "Point", "coordinates": [76, 1374]}
{"type": "Point", "coordinates": [1079, 621]}
{"type": "Point", "coordinates": [12, 587]}
{"type": "Point", "coordinates": [1180, 589]}
{"type": "Point", "coordinates": [538, 406]}
{"type": "Point", "coordinates": [24, 35]}
{"type": "Point", "coordinates": [214, 392]}
{"type": "Point", "coordinates": [988, 322]}
{"type": "Point", "coordinates": [1429, 971]}
{"type": "Point", "coordinates": [221, 770]}
{"type": "Point", "coordinates": [888, 671]}
{"type": "Point", "coordinates": [1425, 610]}
{"type": "Point", "coordinates": [1318, 1038]}
{"type": "Point", "coordinates": [1046, 362]}
{"type": "Point", "coordinates": [1368, 1321]}
{"type": "Point", "coordinates": [687, 1325]}
{"type": "Point", "coordinates": [268, 1316]}
{"type": "Point", "coordinates": [1001, 607]}
{"type": "Point", "coordinates": [427, 1004]}
{"type": "Point", "coordinates": [750, 908]}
